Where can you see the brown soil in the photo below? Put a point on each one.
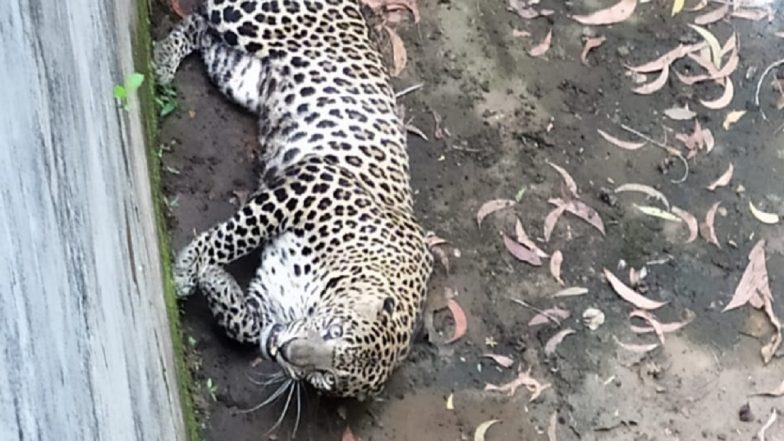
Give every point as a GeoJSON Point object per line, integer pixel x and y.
{"type": "Point", "coordinates": [508, 114]}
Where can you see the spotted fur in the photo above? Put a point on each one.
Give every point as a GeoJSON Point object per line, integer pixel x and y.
{"type": "Point", "coordinates": [344, 265]}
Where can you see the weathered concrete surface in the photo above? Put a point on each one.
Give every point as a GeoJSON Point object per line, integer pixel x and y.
{"type": "Point", "coordinates": [85, 349]}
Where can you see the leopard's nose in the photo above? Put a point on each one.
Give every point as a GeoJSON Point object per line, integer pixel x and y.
{"type": "Point", "coordinates": [270, 341]}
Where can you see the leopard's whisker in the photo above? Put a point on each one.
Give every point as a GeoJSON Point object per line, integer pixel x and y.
{"type": "Point", "coordinates": [292, 388]}
{"type": "Point", "coordinates": [267, 379]}
{"type": "Point", "coordinates": [271, 398]}
{"type": "Point", "coordinates": [299, 410]}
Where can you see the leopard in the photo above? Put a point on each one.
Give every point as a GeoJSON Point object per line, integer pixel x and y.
{"type": "Point", "coordinates": [344, 264]}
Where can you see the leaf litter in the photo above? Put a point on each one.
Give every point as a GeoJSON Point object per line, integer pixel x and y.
{"type": "Point", "coordinates": [590, 44]}
{"type": "Point", "coordinates": [554, 315]}
{"type": "Point", "coordinates": [572, 291]}
{"type": "Point", "coordinates": [707, 229]}
{"type": "Point", "coordinates": [616, 13]}
{"type": "Point", "coordinates": [555, 340]}
{"type": "Point", "coordinates": [626, 145]}
{"type": "Point", "coordinates": [568, 179]}
{"type": "Point", "coordinates": [522, 238]}
{"type": "Point", "coordinates": [521, 252]}
{"type": "Point", "coordinates": [461, 323]}
{"type": "Point", "coordinates": [523, 379]}
{"type": "Point", "coordinates": [712, 16]}
{"type": "Point", "coordinates": [631, 295]}
{"type": "Point", "coordinates": [762, 216]}
{"type": "Point", "coordinates": [724, 100]}
{"type": "Point", "coordinates": [490, 207]}
{"type": "Point", "coordinates": [690, 220]}
{"type": "Point", "coordinates": [638, 348]}
{"type": "Point", "coordinates": [645, 189]}
{"type": "Point", "coordinates": [542, 48]}
{"type": "Point", "coordinates": [481, 429]}
{"type": "Point", "coordinates": [723, 180]}
{"type": "Point", "coordinates": [754, 289]}
{"type": "Point", "coordinates": [501, 360]}
{"type": "Point", "coordinates": [555, 266]}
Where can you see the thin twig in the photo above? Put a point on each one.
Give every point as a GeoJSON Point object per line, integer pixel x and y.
{"type": "Point", "coordinates": [759, 85]}
{"type": "Point", "coordinates": [409, 89]}
{"type": "Point", "coordinates": [664, 147]}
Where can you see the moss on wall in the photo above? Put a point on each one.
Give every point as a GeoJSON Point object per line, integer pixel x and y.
{"type": "Point", "coordinates": [142, 55]}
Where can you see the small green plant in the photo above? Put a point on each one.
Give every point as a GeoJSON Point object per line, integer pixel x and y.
{"type": "Point", "coordinates": [212, 389]}
{"type": "Point", "coordinates": [121, 92]}
{"type": "Point", "coordinates": [192, 341]}
{"type": "Point", "coordinates": [165, 99]}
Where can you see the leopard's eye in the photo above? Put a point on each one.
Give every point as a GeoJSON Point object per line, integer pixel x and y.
{"type": "Point", "coordinates": [335, 330]}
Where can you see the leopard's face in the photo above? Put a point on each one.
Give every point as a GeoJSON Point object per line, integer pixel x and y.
{"type": "Point", "coordinates": [346, 348]}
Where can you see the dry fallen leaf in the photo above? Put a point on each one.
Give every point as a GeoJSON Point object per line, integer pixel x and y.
{"type": "Point", "coordinates": [655, 324]}
{"type": "Point", "coordinates": [732, 118]}
{"type": "Point", "coordinates": [461, 323]}
{"type": "Point", "coordinates": [590, 43]}
{"type": "Point", "coordinates": [680, 113]}
{"type": "Point", "coordinates": [614, 14]}
{"type": "Point", "coordinates": [657, 212]}
{"type": "Point", "coordinates": [701, 4]}
{"type": "Point", "coordinates": [713, 43]}
{"type": "Point", "coordinates": [753, 14]}
{"type": "Point", "coordinates": [572, 291]}
{"type": "Point", "coordinates": [777, 392]}
{"type": "Point", "coordinates": [667, 59]}
{"type": "Point", "coordinates": [554, 341]}
{"type": "Point", "coordinates": [754, 280]}
{"type": "Point", "coordinates": [666, 328]}
{"type": "Point", "coordinates": [655, 85]}
{"type": "Point", "coordinates": [501, 360]}
{"type": "Point", "coordinates": [492, 206]}
{"type": "Point", "coordinates": [450, 402]}
{"type": "Point", "coordinates": [708, 140]}
{"type": "Point", "coordinates": [707, 229]}
{"type": "Point", "coordinates": [690, 221]}
{"type": "Point", "coordinates": [581, 210]}
{"type": "Point", "coordinates": [631, 295]}
{"type": "Point", "coordinates": [554, 315]}
{"type": "Point", "coordinates": [568, 180]}
{"type": "Point", "coordinates": [640, 349]}
{"type": "Point", "coordinates": [439, 132]}
{"type": "Point", "coordinates": [399, 55]}
{"type": "Point", "coordinates": [522, 238]}
{"type": "Point", "coordinates": [523, 379]}
{"type": "Point", "coordinates": [551, 219]}
{"type": "Point", "coordinates": [520, 252]}
{"type": "Point", "coordinates": [762, 216]}
{"type": "Point", "coordinates": [520, 34]}
{"type": "Point", "coordinates": [646, 189]}
{"type": "Point", "coordinates": [551, 428]}
{"type": "Point", "coordinates": [555, 266]}
{"type": "Point", "coordinates": [767, 425]}
{"type": "Point", "coordinates": [479, 434]}
{"type": "Point", "coordinates": [712, 16]}
{"type": "Point", "coordinates": [541, 48]}
{"type": "Point", "coordinates": [626, 145]}
{"type": "Point", "coordinates": [723, 180]}
{"type": "Point", "coordinates": [724, 100]}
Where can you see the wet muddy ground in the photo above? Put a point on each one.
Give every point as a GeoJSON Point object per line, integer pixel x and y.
{"type": "Point", "coordinates": [509, 114]}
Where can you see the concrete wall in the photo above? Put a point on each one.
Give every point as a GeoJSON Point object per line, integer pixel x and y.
{"type": "Point", "coordinates": [85, 349]}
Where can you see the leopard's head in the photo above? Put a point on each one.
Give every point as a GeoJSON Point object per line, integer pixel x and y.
{"type": "Point", "coordinates": [348, 343]}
